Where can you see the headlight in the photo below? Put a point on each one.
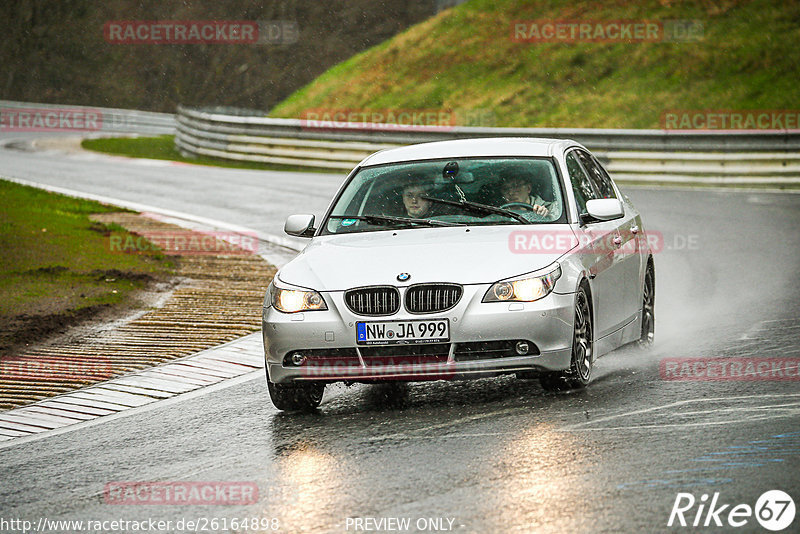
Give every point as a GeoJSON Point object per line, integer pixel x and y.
{"type": "Point", "coordinates": [524, 289]}
{"type": "Point", "coordinates": [293, 301]}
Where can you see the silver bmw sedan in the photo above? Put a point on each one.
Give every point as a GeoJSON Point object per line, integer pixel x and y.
{"type": "Point", "coordinates": [461, 259]}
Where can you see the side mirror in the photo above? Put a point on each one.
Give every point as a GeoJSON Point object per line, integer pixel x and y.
{"type": "Point", "coordinates": [300, 225]}
{"type": "Point", "coordinates": [605, 209]}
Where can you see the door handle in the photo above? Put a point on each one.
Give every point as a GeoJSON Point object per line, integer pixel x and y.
{"type": "Point", "coordinates": [634, 229]}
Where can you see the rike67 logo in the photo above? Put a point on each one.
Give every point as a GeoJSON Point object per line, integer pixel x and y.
{"type": "Point", "coordinates": [774, 510]}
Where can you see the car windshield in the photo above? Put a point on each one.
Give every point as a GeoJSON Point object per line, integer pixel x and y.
{"type": "Point", "coordinates": [448, 192]}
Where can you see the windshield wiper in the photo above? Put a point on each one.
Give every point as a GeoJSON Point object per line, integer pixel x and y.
{"type": "Point", "coordinates": [385, 219]}
{"type": "Point", "coordinates": [477, 207]}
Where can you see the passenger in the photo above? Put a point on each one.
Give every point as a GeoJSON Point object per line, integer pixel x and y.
{"type": "Point", "coordinates": [515, 188]}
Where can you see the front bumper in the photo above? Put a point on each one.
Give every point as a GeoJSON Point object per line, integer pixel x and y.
{"type": "Point", "coordinates": [546, 323]}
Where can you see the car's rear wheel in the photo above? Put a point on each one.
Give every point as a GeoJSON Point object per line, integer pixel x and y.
{"type": "Point", "coordinates": [580, 371]}
{"type": "Point", "coordinates": [648, 308]}
{"type": "Point", "coordinates": [296, 397]}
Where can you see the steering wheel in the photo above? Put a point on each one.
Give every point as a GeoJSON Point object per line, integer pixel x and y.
{"type": "Point", "coordinates": [517, 205]}
{"type": "Point", "coordinates": [525, 206]}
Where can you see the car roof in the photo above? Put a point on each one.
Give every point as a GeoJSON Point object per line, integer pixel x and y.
{"type": "Point", "coordinates": [484, 147]}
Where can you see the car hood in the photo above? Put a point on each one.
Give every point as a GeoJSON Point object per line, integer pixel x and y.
{"type": "Point", "coordinates": [474, 255]}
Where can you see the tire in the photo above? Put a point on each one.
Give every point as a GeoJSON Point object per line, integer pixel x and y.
{"type": "Point", "coordinates": [647, 334]}
{"type": "Point", "coordinates": [579, 373]}
{"type": "Point", "coordinates": [296, 397]}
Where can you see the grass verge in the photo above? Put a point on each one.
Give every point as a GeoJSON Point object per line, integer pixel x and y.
{"type": "Point", "coordinates": [57, 267]}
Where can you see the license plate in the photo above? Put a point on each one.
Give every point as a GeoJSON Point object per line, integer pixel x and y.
{"type": "Point", "coordinates": [397, 332]}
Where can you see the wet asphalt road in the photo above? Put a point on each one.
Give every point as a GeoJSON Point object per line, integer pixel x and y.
{"type": "Point", "coordinates": [484, 456]}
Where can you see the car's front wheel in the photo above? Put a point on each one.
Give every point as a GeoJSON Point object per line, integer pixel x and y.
{"type": "Point", "coordinates": [580, 371]}
{"type": "Point", "coordinates": [296, 397]}
{"type": "Point", "coordinates": [648, 308]}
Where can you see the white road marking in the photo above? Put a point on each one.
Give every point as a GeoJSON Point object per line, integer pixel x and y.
{"type": "Point", "coordinates": [688, 401]}
{"type": "Point", "coordinates": [752, 330]}
{"type": "Point", "coordinates": [682, 425]}
{"type": "Point", "coordinates": [131, 389]}
{"type": "Point", "coordinates": [755, 412]}
{"type": "Point", "coordinates": [742, 409]}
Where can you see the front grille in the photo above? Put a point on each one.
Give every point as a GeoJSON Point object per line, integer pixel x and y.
{"type": "Point", "coordinates": [432, 298]}
{"type": "Point", "coordinates": [487, 350]}
{"type": "Point", "coordinates": [374, 301]}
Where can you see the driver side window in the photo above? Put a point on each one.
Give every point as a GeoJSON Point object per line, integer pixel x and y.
{"type": "Point", "coordinates": [581, 185]}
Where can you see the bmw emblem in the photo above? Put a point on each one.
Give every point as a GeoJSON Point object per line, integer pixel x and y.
{"type": "Point", "coordinates": [402, 277]}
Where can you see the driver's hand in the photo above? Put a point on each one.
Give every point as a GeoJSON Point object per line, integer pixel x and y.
{"type": "Point", "coordinates": [540, 210]}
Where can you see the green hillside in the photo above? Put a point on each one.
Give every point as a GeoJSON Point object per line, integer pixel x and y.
{"type": "Point", "coordinates": [465, 61]}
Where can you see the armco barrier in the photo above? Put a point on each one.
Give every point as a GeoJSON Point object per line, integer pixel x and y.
{"type": "Point", "coordinates": [110, 120]}
{"type": "Point", "coordinates": [755, 158]}
{"type": "Point", "coordinates": [740, 158]}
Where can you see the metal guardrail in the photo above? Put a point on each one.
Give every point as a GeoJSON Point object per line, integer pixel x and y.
{"type": "Point", "coordinates": [767, 157]}
{"type": "Point", "coordinates": [110, 120]}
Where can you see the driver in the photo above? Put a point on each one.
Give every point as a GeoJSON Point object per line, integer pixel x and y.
{"type": "Point", "coordinates": [515, 188]}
